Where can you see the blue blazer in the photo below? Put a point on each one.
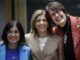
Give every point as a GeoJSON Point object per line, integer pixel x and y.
{"type": "Point", "coordinates": [24, 52]}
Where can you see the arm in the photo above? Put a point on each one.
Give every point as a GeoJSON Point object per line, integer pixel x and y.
{"type": "Point", "coordinates": [27, 38]}
{"type": "Point", "coordinates": [60, 51]}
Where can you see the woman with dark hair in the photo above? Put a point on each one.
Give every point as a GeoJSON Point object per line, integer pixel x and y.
{"type": "Point", "coordinates": [69, 26]}
{"type": "Point", "coordinates": [43, 43]}
{"type": "Point", "coordinates": [13, 47]}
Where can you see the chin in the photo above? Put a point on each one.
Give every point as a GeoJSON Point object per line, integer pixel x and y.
{"type": "Point", "coordinates": [13, 42]}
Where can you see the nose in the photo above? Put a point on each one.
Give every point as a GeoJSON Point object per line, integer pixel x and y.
{"type": "Point", "coordinates": [41, 21]}
{"type": "Point", "coordinates": [13, 34]}
{"type": "Point", "coordinates": [56, 14]}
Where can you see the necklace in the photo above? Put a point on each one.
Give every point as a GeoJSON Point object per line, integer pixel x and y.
{"type": "Point", "coordinates": [65, 36]}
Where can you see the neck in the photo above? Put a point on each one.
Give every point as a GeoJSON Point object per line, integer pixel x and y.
{"type": "Point", "coordinates": [12, 46]}
{"type": "Point", "coordinates": [42, 34]}
{"type": "Point", "coordinates": [63, 24]}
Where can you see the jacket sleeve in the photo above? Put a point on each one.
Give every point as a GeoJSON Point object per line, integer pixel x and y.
{"type": "Point", "coordinates": [60, 51]}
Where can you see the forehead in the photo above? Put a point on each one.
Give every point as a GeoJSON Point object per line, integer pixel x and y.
{"type": "Point", "coordinates": [41, 15]}
{"type": "Point", "coordinates": [14, 28]}
{"type": "Point", "coordinates": [54, 9]}
{"type": "Point", "coordinates": [51, 12]}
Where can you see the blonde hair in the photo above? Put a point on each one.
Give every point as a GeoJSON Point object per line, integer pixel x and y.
{"type": "Point", "coordinates": [34, 17]}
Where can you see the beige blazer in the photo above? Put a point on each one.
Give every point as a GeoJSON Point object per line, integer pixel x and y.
{"type": "Point", "coordinates": [51, 50]}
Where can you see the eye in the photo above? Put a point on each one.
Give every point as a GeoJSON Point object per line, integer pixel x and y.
{"type": "Point", "coordinates": [44, 20]}
{"type": "Point", "coordinates": [53, 14]}
{"type": "Point", "coordinates": [16, 31]}
{"type": "Point", "coordinates": [38, 20]}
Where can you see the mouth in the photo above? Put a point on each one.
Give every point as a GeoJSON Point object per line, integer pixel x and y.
{"type": "Point", "coordinates": [42, 27]}
{"type": "Point", "coordinates": [59, 18]}
{"type": "Point", "coordinates": [12, 38]}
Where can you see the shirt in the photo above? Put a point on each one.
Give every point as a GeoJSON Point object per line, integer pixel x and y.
{"type": "Point", "coordinates": [12, 54]}
{"type": "Point", "coordinates": [68, 46]}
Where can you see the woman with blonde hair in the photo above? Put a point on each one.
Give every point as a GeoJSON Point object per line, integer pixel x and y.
{"type": "Point", "coordinates": [43, 43]}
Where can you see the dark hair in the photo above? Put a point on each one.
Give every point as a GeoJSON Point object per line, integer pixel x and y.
{"type": "Point", "coordinates": [7, 28]}
{"type": "Point", "coordinates": [50, 22]}
{"type": "Point", "coordinates": [56, 5]}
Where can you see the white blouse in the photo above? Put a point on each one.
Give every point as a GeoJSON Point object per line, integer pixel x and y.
{"type": "Point", "coordinates": [42, 42]}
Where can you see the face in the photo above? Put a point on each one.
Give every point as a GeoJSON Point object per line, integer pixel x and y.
{"type": "Point", "coordinates": [58, 17]}
{"type": "Point", "coordinates": [41, 24]}
{"type": "Point", "coordinates": [13, 35]}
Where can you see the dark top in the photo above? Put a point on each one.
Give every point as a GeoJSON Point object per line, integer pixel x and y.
{"type": "Point", "coordinates": [12, 54]}
{"type": "Point", "coordinates": [68, 46]}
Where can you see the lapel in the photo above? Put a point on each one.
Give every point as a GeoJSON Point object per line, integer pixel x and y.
{"type": "Point", "coordinates": [34, 44]}
{"type": "Point", "coordinates": [2, 52]}
{"type": "Point", "coordinates": [45, 47]}
{"type": "Point", "coordinates": [47, 43]}
{"type": "Point", "coordinates": [24, 53]}
{"type": "Point", "coordinates": [51, 45]}
{"type": "Point", "coordinates": [75, 27]}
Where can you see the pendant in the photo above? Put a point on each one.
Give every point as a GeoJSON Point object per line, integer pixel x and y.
{"type": "Point", "coordinates": [78, 25]}
{"type": "Point", "coordinates": [65, 39]}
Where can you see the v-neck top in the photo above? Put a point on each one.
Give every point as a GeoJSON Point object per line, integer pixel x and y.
{"type": "Point", "coordinates": [12, 54]}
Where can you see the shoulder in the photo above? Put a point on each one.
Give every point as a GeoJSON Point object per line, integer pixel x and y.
{"type": "Point", "coordinates": [25, 47]}
{"type": "Point", "coordinates": [24, 50]}
{"type": "Point", "coordinates": [2, 46]}
{"type": "Point", "coordinates": [1, 42]}
{"type": "Point", "coordinates": [28, 36]}
{"type": "Point", "coordinates": [74, 17]}
{"type": "Point", "coordinates": [57, 37]}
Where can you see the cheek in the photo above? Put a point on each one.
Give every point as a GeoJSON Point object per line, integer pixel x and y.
{"type": "Point", "coordinates": [53, 19]}
{"type": "Point", "coordinates": [35, 26]}
{"type": "Point", "coordinates": [62, 14]}
{"type": "Point", "coordinates": [46, 25]}
{"type": "Point", "coordinates": [18, 36]}
{"type": "Point", "coordinates": [8, 36]}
